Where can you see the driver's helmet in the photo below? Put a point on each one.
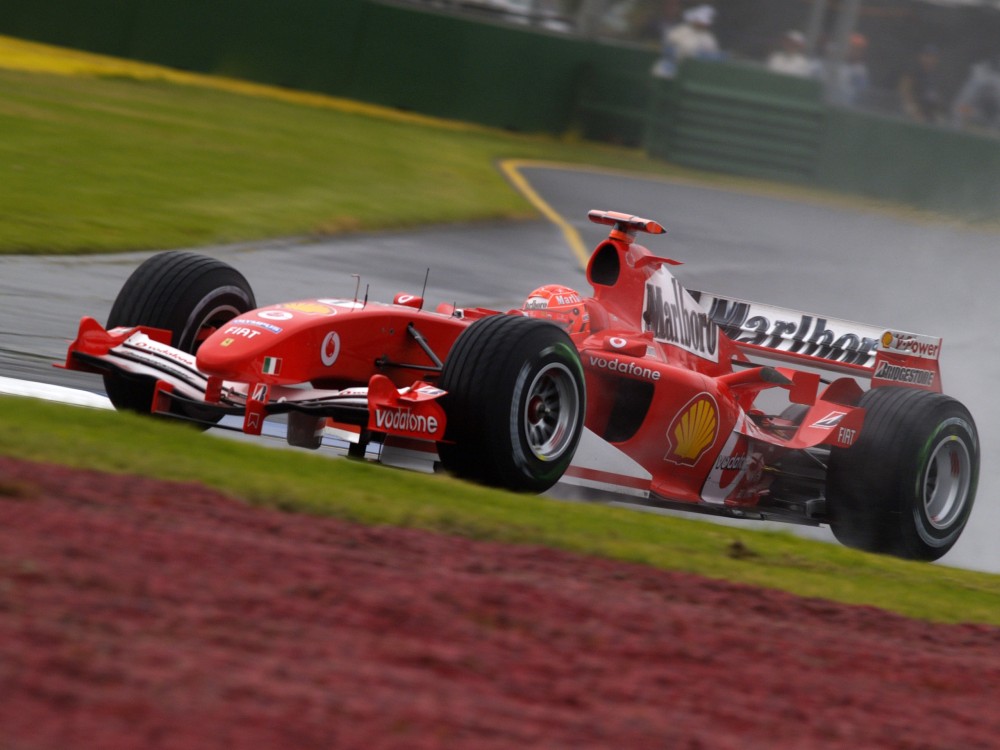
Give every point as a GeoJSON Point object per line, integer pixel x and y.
{"type": "Point", "coordinates": [561, 305]}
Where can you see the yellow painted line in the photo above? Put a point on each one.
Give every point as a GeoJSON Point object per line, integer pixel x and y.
{"type": "Point", "coordinates": [511, 168]}
{"type": "Point", "coordinates": [735, 185]}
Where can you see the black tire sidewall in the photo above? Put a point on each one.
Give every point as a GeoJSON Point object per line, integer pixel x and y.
{"type": "Point", "coordinates": [216, 303]}
{"type": "Point", "coordinates": [488, 375]}
{"type": "Point", "coordinates": [561, 355]}
{"type": "Point", "coordinates": [875, 489]}
{"type": "Point", "coordinates": [179, 292]}
{"type": "Point", "coordinates": [952, 423]}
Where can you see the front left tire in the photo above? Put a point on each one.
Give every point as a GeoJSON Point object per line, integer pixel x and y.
{"type": "Point", "coordinates": [188, 294]}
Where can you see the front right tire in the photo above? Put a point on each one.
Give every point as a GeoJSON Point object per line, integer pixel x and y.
{"type": "Point", "coordinates": [515, 403]}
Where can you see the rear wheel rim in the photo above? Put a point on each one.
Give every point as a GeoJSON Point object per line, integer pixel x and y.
{"type": "Point", "coordinates": [946, 483]}
{"type": "Point", "coordinates": [551, 411]}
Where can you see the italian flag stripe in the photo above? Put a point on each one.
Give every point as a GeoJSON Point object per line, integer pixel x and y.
{"type": "Point", "coordinates": [272, 365]}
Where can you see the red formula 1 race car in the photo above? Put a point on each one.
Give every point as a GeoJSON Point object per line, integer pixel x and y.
{"type": "Point", "coordinates": [678, 398]}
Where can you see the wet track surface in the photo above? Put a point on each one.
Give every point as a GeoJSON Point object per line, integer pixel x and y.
{"type": "Point", "coordinates": [860, 266]}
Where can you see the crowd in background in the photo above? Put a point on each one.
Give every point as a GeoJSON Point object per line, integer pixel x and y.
{"type": "Point", "coordinates": [931, 62]}
{"type": "Point", "coordinates": [920, 92]}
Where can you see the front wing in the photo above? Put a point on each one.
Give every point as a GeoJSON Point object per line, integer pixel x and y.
{"type": "Point", "coordinates": [181, 388]}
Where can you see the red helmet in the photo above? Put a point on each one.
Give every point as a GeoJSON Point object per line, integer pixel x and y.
{"type": "Point", "coordinates": [561, 305]}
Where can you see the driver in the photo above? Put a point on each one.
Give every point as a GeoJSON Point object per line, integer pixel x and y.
{"type": "Point", "coordinates": [560, 304]}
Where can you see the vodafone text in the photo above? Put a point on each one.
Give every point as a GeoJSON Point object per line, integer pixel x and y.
{"type": "Point", "coordinates": [404, 420]}
{"type": "Point", "coordinates": [624, 367]}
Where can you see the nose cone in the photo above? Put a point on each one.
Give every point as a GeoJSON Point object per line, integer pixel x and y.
{"type": "Point", "coordinates": [236, 352]}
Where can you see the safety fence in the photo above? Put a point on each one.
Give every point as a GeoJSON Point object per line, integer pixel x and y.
{"type": "Point", "coordinates": [744, 120]}
{"type": "Point", "coordinates": [398, 55]}
{"type": "Point", "coordinates": [741, 120]}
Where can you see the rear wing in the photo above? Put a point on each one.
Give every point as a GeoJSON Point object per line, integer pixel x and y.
{"type": "Point", "coordinates": [885, 356]}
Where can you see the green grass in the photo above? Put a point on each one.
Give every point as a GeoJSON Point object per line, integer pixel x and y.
{"type": "Point", "coordinates": [116, 163]}
{"type": "Point", "coordinates": [304, 482]}
{"type": "Point", "coordinates": [121, 162]}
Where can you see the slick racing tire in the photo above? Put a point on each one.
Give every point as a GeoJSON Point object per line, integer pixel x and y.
{"type": "Point", "coordinates": [515, 403]}
{"type": "Point", "coordinates": [907, 486]}
{"type": "Point", "coordinates": [189, 295]}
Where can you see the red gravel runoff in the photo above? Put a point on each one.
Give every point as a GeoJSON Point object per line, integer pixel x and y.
{"type": "Point", "coordinates": [143, 614]}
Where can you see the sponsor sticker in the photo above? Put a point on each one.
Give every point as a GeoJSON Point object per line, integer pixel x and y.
{"type": "Point", "coordinates": [536, 303]}
{"type": "Point", "coordinates": [730, 466]}
{"type": "Point", "coordinates": [257, 324]}
{"type": "Point", "coordinates": [791, 331]}
{"type": "Point", "coordinates": [909, 375]}
{"type": "Point", "coordinates": [693, 431]}
{"type": "Point", "coordinates": [345, 303]}
{"type": "Point", "coordinates": [624, 367]}
{"type": "Point", "coordinates": [846, 437]}
{"type": "Point", "coordinates": [275, 315]}
{"type": "Point", "coordinates": [329, 350]}
{"type": "Point", "coordinates": [242, 331]}
{"type": "Point", "coordinates": [830, 420]}
{"type": "Point", "coordinates": [675, 317]}
{"type": "Point", "coordinates": [404, 420]}
{"type": "Point", "coordinates": [429, 390]}
{"type": "Point", "coordinates": [310, 308]}
{"type": "Point", "coordinates": [925, 347]}
{"type": "Point", "coordinates": [142, 342]}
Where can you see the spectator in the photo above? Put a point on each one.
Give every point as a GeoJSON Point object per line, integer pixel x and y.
{"type": "Point", "coordinates": [920, 88]}
{"type": "Point", "coordinates": [692, 38]}
{"type": "Point", "coordinates": [618, 19]}
{"type": "Point", "coordinates": [790, 58]}
{"type": "Point", "coordinates": [847, 80]}
{"type": "Point", "coordinates": [978, 101]}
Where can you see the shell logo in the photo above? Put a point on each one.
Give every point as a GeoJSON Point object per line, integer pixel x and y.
{"type": "Point", "coordinates": [313, 308]}
{"type": "Point", "coordinates": [693, 431]}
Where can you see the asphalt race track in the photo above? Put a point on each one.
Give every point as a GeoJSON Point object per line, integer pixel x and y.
{"type": "Point", "coordinates": [864, 266]}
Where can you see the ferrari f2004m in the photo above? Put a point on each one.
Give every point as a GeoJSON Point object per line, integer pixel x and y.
{"type": "Point", "coordinates": [716, 405]}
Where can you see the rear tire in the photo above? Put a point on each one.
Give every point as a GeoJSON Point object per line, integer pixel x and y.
{"type": "Point", "coordinates": [515, 403]}
{"type": "Point", "coordinates": [907, 486]}
{"type": "Point", "coordinates": [189, 295]}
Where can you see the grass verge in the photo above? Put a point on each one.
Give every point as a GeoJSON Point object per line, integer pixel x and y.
{"type": "Point", "coordinates": [125, 156]}
{"type": "Point", "coordinates": [99, 154]}
{"type": "Point", "coordinates": [304, 482]}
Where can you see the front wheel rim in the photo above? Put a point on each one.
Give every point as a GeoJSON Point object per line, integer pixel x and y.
{"type": "Point", "coordinates": [206, 323]}
{"type": "Point", "coordinates": [551, 411]}
{"type": "Point", "coordinates": [946, 483]}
